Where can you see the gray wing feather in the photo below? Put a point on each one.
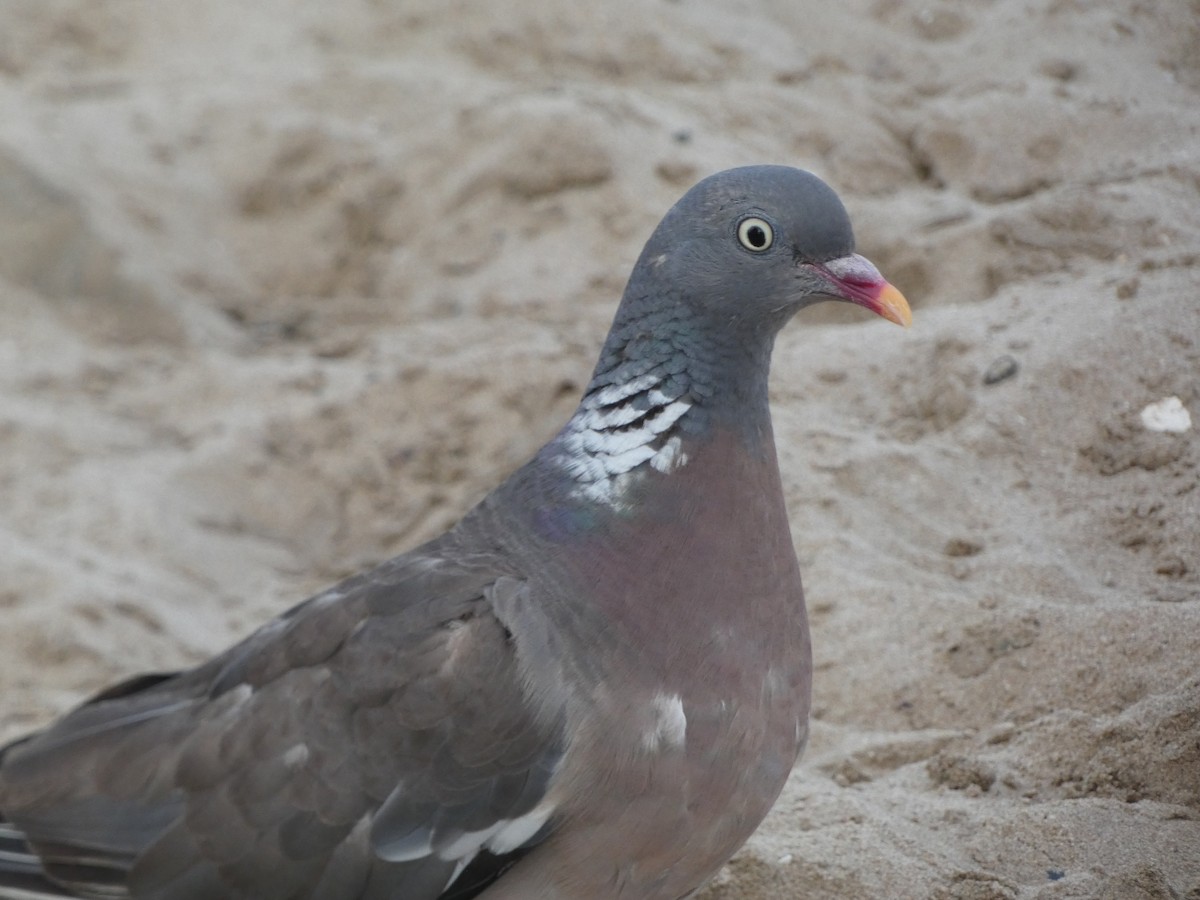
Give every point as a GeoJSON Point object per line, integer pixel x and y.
{"type": "Point", "coordinates": [365, 744]}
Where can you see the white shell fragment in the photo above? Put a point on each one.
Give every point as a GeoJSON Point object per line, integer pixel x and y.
{"type": "Point", "coordinates": [1167, 414]}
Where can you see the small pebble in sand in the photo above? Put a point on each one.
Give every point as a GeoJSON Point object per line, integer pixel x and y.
{"type": "Point", "coordinates": [675, 171]}
{"type": "Point", "coordinates": [1128, 289]}
{"type": "Point", "coordinates": [959, 547]}
{"type": "Point", "coordinates": [1167, 414]}
{"type": "Point", "coordinates": [1059, 69]}
{"type": "Point", "coordinates": [1002, 367]}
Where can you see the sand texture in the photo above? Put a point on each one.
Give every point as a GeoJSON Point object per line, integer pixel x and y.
{"type": "Point", "coordinates": [285, 286]}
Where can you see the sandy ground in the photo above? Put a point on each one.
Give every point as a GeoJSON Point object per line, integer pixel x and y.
{"type": "Point", "coordinates": [286, 285]}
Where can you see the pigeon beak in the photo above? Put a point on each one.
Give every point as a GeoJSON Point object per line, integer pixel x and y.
{"type": "Point", "coordinates": [857, 280]}
{"type": "Point", "coordinates": [889, 303]}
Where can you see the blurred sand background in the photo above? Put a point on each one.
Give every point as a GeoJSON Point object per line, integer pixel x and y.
{"type": "Point", "coordinates": [286, 285]}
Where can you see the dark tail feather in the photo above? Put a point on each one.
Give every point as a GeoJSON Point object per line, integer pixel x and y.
{"type": "Point", "coordinates": [21, 875]}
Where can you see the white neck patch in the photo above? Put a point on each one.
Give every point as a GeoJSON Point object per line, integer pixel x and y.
{"type": "Point", "coordinates": [620, 428]}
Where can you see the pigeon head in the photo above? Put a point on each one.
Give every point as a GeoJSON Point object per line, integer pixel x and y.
{"type": "Point", "coordinates": [690, 347]}
{"type": "Point", "coordinates": [749, 247]}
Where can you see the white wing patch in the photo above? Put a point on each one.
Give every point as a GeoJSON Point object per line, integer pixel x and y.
{"type": "Point", "coordinates": [669, 728]}
{"type": "Point", "coordinates": [502, 837]}
{"type": "Point", "coordinates": [295, 757]}
{"type": "Point", "coordinates": [517, 831]}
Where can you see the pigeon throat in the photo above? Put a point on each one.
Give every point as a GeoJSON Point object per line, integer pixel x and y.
{"type": "Point", "coordinates": [651, 400]}
{"type": "Point", "coordinates": [622, 430]}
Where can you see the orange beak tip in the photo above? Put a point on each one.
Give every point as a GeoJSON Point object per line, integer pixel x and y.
{"type": "Point", "coordinates": [892, 305]}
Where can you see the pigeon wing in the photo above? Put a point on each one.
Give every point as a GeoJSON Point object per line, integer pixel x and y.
{"type": "Point", "coordinates": [371, 742]}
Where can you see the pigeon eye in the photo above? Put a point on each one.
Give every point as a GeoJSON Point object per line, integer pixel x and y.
{"type": "Point", "coordinates": [755, 234]}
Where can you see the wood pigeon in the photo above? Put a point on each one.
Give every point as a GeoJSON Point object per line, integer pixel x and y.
{"type": "Point", "coordinates": [593, 687]}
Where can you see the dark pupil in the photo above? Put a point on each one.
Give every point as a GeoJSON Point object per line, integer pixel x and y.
{"type": "Point", "coordinates": [756, 236]}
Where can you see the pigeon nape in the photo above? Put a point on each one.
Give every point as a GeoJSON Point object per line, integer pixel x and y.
{"type": "Point", "coordinates": [593, 686]}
